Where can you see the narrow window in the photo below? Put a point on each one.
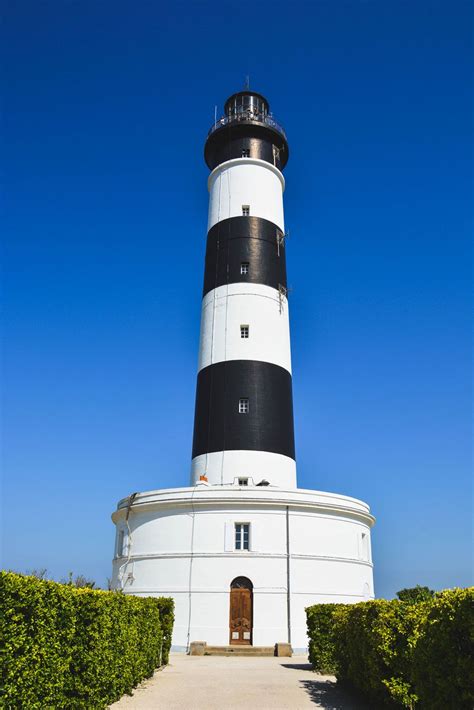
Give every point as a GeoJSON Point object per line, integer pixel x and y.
{"type": "Point", "coordinates": [242, 535]}
{"type": "Point", "coordinates": [245, 210]}
{"type": "Point", "coordinates": [246, 153]}
{"type": "Point", "coordinates": [244, 267]}
{"type": "Point", "coordinates": [365, 547]}
{"type": "Point", "coordinates": [120, 543]}
{"type": "Point", "coordinates": [243, 481]}
{"type": "Point", "coordinates": [243, 406]}
{"type": "Point", "coordinates": [244, 331]}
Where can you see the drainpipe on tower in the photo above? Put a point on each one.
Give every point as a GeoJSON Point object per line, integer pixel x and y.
{"type": "Point", "coordinates": [288, 590]}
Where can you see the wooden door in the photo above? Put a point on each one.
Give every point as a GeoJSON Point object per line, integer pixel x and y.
{"type": "Point", "coordinates": [241, 617]}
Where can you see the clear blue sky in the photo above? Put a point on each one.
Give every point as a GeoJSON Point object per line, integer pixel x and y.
{"type": "Point", "coordinates": [106, 108]}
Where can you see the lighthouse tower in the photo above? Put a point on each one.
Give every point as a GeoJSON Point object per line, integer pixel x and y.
{"type": "Point", "coordinates": [242, 550]}
{"type": "Point", "coordinates": [243, 426]}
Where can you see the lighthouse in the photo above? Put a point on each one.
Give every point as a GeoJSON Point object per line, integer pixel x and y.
{"type": "Point", "coordinates": [243, 426]}
{"type": "Point", "coordinates": [242, 550]}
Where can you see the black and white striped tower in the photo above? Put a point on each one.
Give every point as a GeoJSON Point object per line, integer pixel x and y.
{"type": "Point", "coordinates": [243, 426]}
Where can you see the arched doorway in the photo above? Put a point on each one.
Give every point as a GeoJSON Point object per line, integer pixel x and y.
{"type": "Point", "coordinates": [241, 612]}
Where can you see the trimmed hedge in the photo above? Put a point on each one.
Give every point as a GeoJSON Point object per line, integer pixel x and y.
{"type": "Point", "coordinates": [65, 647]}
{"type": "Point", "coordinates": [373, 645]}
{"type": "Point", "coordinates": [398, 654]}
{"type": "Point", "coordinates": [166, 606]}
{"type": "Point", "coordinates": [321, 642]}
{"type": "Point", "coordinates": [443, 666]}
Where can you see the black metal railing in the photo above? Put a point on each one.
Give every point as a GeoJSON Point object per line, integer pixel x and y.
{"type": "Point", "coordinates": [247, 116]}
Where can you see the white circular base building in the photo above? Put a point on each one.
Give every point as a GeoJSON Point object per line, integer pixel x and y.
{"type": "Point", "coordinates": [294, 547]}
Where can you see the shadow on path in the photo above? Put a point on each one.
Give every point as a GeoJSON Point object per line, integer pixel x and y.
{"type": "Point", "coordinates": [330, 696]}
{"type": "Point", "coordinates": [298, 666]}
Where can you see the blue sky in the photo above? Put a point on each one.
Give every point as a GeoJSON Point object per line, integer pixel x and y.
{"type": "Point", "coordinates": [106, 108]}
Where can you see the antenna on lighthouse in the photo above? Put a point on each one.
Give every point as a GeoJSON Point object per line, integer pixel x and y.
{"type": "Point", "coordinates": [247, 83]}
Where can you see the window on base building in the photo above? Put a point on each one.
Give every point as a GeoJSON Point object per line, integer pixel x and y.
{"type": "Point", "coordinates": [245, 152]}
{"type": "Point", "coordinates": [121, 543]}
{"type": "Point", "coordinates": [245, 210]}
{"type": "Point", "coordinates": [244, 267]}
{"type": "Point", "coordinates": [242, 536]}
{"type": "Point", "coordinates": [243, 406]}
{"type": "Point", "coordinates": [364, 552]}
{"type": "Point", "coordinates": [244, 331]}
{"type": "Point", "coordinates": [243, 481]}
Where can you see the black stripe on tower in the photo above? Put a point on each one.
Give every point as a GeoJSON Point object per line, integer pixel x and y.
{"type": "Point", "coordinates": [245, 240]}
{"type": "Point", "coordinates": [246, 140]}
{"type": "Point", "coordinates": [268, 425]}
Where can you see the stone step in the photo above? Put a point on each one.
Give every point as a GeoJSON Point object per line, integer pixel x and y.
{"type": "Point", "coordinates": [200, 648]}
{"type": "Point", "coordinates": [239, 651]}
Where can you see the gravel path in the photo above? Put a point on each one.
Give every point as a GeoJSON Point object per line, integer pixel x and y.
{"type": "Point", "coordinates": [216, 683]}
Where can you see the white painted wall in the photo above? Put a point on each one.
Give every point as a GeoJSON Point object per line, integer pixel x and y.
{"type": "Point", "coordinates": [226, 308]}
{"type": "Point", "coordinates": [246, 181]}
{"type": "Point", "coordinates": [166, 526]}
{"type": "Point", "coordinates": [222, 467]}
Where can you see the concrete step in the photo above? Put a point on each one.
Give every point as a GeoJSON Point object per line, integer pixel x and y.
{"type": "Point", "coordinates": [200, 648]}
{"type": "Point", "coordinates": [239, 651]}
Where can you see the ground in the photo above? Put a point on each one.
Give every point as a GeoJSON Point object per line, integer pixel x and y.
{"type": "Point", "coordinates": [219, 683]}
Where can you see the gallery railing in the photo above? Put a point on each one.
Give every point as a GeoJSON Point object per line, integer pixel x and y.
{"type": "Point", "coordinates": [247, 116]}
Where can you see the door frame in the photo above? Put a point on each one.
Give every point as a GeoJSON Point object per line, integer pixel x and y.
{"type": "Point", "coordinates": [241, 585]}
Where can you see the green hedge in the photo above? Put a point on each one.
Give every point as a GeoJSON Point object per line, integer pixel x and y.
{"type": "Point", "coordinates": [321, 642]}
{"type": "Point", "coordinates": [398, 654]}
{"type": "Point", "coordinates": [166, 606]}
{"type": "Point", "coordinates": [373, 646]}
{"type": "Point", "coordinates": [443, 666]}
{"type": "Point", "coordinates": [75, 648]}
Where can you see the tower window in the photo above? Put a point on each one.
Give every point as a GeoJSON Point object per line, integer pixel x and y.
{"type": "Point", "coordinates": [244, 331]}
{"type": "Point", "coordinates": [246, 153]}
{"type": "Point", "coordinates": [242, 536]}
{"type": "Point", "coordinates": [244, 267]}
{"type": "Point", "coordinates": [245, 210]}
{"type": "Point", "coordinates": [243, 406]}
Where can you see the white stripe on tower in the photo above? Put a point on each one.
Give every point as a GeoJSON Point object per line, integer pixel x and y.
{"type": "Point", "coordinates": [244, 412]}
{"type": "Point", "coordinates": [247, 182]}
{"type": "Point", "coordinates": [255, 311]}
{"type": "Point", "coordinates": [258, 465]}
